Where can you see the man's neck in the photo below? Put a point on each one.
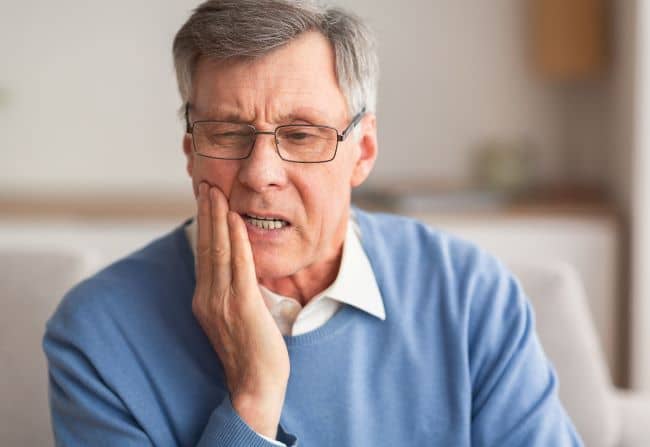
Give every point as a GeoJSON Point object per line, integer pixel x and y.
{"type": "Point", "coordinates": [308, 282]}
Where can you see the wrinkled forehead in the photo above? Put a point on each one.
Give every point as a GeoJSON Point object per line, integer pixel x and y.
{"type": "Point", "coordinates": [297, 78]}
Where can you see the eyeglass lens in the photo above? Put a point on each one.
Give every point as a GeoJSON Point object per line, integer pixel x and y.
{"type": "Point", "coordinates": [303, 143]}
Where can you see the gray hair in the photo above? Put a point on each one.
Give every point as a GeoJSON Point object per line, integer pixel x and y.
{"type": "Point", "coordinates": [226, 29]}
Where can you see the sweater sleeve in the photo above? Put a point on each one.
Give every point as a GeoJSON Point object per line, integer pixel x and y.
{"type": "Point", "coordinates": [86, 411]}
{"type": "Point", "coordinates": [226, 428]}
{"type": "Point", "coordinates": [514, 387]}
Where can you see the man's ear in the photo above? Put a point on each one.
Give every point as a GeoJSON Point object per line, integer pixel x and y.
{"type": "Point", "coordinates": [367, 150]}
{"type": "Point", "coordinates": [189, 153]}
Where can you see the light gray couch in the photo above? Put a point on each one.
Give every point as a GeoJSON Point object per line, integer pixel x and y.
{"type": "Point", "coordinates": [604, 416]}
{"type": "Point", "coordinates": [32, 282]}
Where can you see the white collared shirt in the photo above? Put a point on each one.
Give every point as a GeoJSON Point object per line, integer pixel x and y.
{"type": "Point", "coordinates": [355, 285]}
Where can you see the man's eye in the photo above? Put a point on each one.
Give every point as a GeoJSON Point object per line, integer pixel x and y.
{"type": "Point", "coordinates": [302, 136]}
{"type": "Point", "coordinates": [231, 135]}
{"type": "Point", "coordinates": [228, 137]}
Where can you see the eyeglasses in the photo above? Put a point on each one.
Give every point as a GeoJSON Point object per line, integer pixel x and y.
{"type": "Point", "coordinates": [298, 143]}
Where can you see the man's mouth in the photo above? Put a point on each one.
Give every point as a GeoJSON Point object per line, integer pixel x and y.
{"type": "Point", "coordinates": [265, 223]}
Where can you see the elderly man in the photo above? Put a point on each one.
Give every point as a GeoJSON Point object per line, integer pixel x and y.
{"type": "Point", "coordinates": [280, 315]}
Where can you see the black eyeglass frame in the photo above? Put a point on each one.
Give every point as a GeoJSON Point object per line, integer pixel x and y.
{"type": "Point", "coordinates": [339, 136]}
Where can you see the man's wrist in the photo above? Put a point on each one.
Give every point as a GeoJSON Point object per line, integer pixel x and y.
{"type": "Point", "coordinates": [261, 414]}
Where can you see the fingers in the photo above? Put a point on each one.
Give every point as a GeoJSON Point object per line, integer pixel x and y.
{"type": "Point", "coordinates": [220, 244]}
{"type": "Point", "coordinates": [223, 250]}
{"type": "Point", "coordinates": [204, 238]}
{"type": "Point", "coordinates": [243, 266]}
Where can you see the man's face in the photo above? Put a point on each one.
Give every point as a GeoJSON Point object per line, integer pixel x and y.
{"type": "Point", "coordinates": [295, 84]}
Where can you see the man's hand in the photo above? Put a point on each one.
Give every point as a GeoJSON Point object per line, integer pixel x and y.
{"type": "Point", "coordinates": [229, 307]}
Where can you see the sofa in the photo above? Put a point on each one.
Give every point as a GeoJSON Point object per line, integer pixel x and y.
{"type": "Point", "coordinates": [32, 281]}
{"type": "Point", "coordinates": [604, 415]}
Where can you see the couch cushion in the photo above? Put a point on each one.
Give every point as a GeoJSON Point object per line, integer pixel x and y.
{"type": "Point", "coordinates": [31, 285]}
{"type": "Point", "coordinates": [569, 339]}
{"type": "Point", "coordinates": [634, 408]}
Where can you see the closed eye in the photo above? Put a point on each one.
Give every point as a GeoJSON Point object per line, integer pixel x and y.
{"type": "Point", "coordinates": [299, 135]}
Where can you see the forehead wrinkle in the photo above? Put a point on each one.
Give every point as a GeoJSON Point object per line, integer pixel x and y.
{"type": "Point", "coordinates": [289, 105]}
{"type": "Point", "coordinates": [227, 109]}
{"type": "Point", "coordinates": [251, 91]}
{"type": "Point", "coordinates": [307, 113]}
{"type": "Point", "coordinates": [276, 112]}
{"type": "Point", "coordinates": [219, 113]}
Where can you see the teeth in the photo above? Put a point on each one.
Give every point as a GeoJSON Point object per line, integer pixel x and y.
{"type": "Point", "coordinates": [266, 224]}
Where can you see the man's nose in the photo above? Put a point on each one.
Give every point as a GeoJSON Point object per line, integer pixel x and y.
{"type": "Point", "coordinates": [263, 169]}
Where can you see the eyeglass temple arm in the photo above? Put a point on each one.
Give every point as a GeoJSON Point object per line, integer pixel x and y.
{"type": "Point", "coordinates": [353, 124]}
{"type": "Point", "coordinates": [188, 126]}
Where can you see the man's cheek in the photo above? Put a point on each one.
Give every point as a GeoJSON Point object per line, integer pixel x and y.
{"type": "Point", "coordinates": [221, 178]}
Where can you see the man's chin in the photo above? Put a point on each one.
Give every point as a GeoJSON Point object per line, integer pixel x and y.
{"type": "Point", "coordinates": [270, 267]}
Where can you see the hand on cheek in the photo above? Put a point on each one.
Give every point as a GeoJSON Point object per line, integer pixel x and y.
{"type": "Point", "coordinates": [230, 309]}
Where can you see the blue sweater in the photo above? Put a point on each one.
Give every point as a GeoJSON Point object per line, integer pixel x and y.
{"type": "Point", "coordinates": [455, 363]}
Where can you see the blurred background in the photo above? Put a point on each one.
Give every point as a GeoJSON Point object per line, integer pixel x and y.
{"type": "Point", "coordinates": [523, 125]}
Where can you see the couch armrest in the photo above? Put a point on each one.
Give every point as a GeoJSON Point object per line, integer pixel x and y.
{"type": "Point", "coordinates": [570, 341]}
{"type": "Point", "coordinates": [634, 411]}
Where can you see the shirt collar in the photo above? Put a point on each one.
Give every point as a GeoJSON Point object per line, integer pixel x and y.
{"type": "Point", "coordinates": [355, 283]}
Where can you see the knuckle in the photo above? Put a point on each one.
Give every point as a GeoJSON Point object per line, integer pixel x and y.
{"type": "Point", "coordinates": [241, 289]}
{"type": "Point", "coordinates": [239, 303]}
{"type": "Point", "coordinates": [219, 253]}
{"type": "Point", "coordinates": [240, 259]}
{"type": "Point", "coordinates": [198, 310]}
{"type": "Point", "coordinates": [214, 307]}
{"type": "Point", "coordinates": [204, 211]}
{"type": "Point", "coordinates": [197, 305]}
{"type": "Point", "coordinates": [203, 252]}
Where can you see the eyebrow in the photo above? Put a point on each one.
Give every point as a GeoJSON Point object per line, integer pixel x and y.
{"type": "Point", "coordinates": [220, 115]}
{"type": "Point", "coordinates": [308, 114]}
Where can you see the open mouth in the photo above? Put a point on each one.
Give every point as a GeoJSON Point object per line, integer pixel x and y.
{"type": "Point", "coordinates": [265, 223]}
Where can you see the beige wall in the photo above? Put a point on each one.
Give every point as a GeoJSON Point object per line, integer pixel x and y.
{"type": "Point", "coordinates": [90, 101]}
{"type": "Point", "coordinates": [639, 169]}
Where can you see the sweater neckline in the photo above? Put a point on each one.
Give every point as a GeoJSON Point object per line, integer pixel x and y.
{"type": "Point", "coordinates": [337, 322]}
